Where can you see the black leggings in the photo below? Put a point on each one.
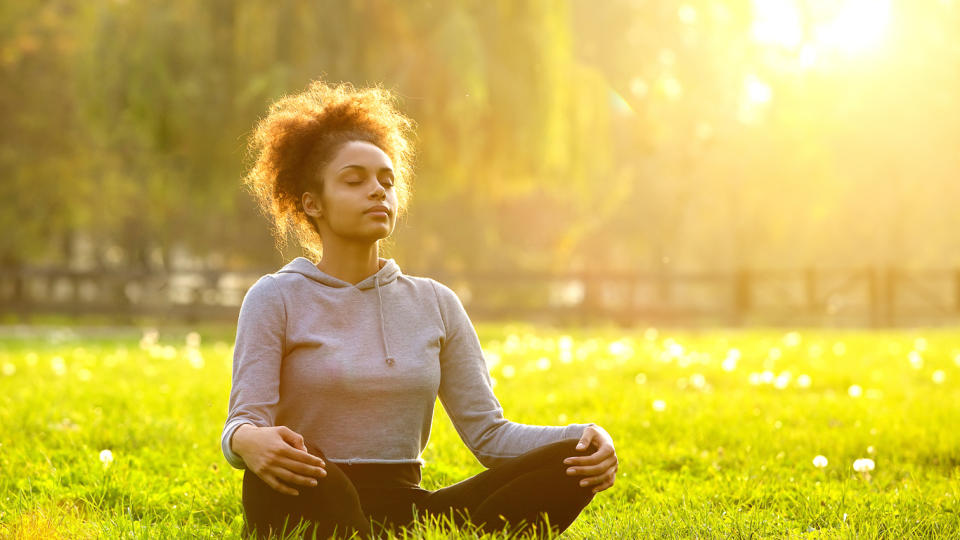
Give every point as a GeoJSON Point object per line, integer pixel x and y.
{"type": "Point", "coordinates": [515, 494]}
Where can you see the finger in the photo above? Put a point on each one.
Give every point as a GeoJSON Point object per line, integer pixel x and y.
{"type": "Point", "coordinates": [606, 485]}
{"type": "Point", "coordinates": [275, 484]}
{"type": "Point", "coordinates": [593, 470]}
{"type": "Point", "coordinates": [302, 456]}
{"type": "Point", "coordinates": [601, 454]}
{"type": "Point", "coordinates": [302, 468]}
{"type": "Point", "coordinates": [291, 477]}
{"type": "Point", "coordinates": [588, 434]}
{"type": "Point", "coordinates": [292, 438]}
{"type": "Point", "coordinates": [593, 480]}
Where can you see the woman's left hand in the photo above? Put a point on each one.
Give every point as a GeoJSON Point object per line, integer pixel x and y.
{"type": "Point", "coordinates": [600, 467]}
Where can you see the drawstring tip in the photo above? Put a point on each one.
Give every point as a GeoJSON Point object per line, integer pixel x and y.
{"type": "Point", "coordinates": [390, 360]}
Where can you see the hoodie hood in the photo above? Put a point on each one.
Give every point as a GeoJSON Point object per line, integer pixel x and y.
{"type": "Point", "coordinates": [388, 273]}
{"type": "Point", "coordinates": [301, 265]}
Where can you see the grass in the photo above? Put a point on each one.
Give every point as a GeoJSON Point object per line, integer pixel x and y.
{"type": "Point", "coordinates": [728, 455]}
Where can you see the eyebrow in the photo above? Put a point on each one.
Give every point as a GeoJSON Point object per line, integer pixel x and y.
{"type": "Point", "coordinates": [362, 168]}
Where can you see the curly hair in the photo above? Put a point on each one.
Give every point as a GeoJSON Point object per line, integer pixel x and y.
{"type": "Point", "coordinates": [302, 133]}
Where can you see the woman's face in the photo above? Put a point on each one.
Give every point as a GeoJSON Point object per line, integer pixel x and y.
{"type": "Point", "coordinates": [357, 180]}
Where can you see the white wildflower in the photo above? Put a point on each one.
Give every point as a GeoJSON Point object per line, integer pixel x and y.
{"type": "Point", "coordinates": [58, 365]}
{"type": "Point", "coordinates": [863, 465]}
{"type": "Point", "coordinates": [106, 457]}
{"type": "Point", "coordinates": [730, 362]}
{"type": "Point", "coordinates": [659, 405]}
{"type": "Point", "coordinates": [855, 390]}
{"type": "Point", "coordinates": [820, 462]}
{"type": "Point", "coordinates": [792, 339]}
{"type": "Point", "coordinates": [149, 339]}
{"type": "Point", "coordinates": [916, 361]}
{"type": "Point", "coordinates": [195, 357]}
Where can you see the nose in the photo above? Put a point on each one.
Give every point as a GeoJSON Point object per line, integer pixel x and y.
{"type": "Point", "coordinates": [379, 192]}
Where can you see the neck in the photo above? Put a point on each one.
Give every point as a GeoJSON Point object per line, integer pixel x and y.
{"type": "Point", "coordinates": [350, 262]}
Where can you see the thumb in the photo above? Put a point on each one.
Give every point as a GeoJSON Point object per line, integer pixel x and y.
{"type": "Point", "coordinates": [585, 439]}
{"type": "Point", "coordinates": [292, 438]}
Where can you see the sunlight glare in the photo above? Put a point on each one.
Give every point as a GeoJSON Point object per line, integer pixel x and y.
{"type": "Point", "coordinates": [687, 14]}
{"type": "Point", "coordinates": [777, 22]}
{"type": "Point", "coordinates": [756, 90]}
{"type": "Point", "coordinates": [859, 26]}
{"type": "Point", "coordinates": [812, 28]}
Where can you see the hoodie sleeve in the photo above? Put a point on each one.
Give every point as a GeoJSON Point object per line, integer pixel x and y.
{"type": "Point", "coordinates": [467, 395]}
{"type": "Point", "coordinates": [254, 393]}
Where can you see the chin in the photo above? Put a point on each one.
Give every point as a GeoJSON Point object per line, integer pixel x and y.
{"type": "Point", "coordinates": [380, 235]}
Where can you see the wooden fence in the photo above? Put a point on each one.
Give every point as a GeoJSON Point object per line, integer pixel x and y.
{"type": "Point", "coordinates": [874, 297]}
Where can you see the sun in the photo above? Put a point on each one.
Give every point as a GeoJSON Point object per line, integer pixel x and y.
{"type": "Point", "coordinates": [817, 28]}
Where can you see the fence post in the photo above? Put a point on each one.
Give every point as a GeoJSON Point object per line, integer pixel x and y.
{"type": "Point", "coordinates": [810, 284]}
{"type": "Point", "coordinates": [873, 296]}
{"type": "Point", "coordinates": [956, 288]}
{"type": "Point", "coordinates": [741, 295]}
{"type": "Point", "coordinates": [591, 296]}
{"type": "Point", "coordinates": [890, 297]}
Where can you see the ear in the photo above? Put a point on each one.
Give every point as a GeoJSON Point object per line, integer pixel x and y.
{"type": "Point", "coordinates": [311, 204]}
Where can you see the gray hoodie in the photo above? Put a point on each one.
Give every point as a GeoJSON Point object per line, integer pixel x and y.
{"type": "Point", "coordinates": [357, 369]}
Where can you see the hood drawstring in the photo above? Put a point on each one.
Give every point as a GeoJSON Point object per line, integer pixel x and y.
{"type": "Point", "coordinates": [389, 272]}
{"type": "Point", "coordinates": [383, 329]}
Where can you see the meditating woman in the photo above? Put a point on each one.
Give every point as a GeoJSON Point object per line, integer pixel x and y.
{"type": "Point", "coordinates": [339, 360]}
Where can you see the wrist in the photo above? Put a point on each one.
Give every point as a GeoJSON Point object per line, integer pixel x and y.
{"type": "Point", "coordinates": [239, 436]}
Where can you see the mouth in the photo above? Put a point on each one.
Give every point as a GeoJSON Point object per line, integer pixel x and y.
{"type": "Point", "coordinates": [379, 210]}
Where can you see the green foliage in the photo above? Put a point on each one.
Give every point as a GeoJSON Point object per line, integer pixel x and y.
{"type": "Point", "coordinates": [728, 455]}
{"type": "Point", "coordinates": [614, 134]}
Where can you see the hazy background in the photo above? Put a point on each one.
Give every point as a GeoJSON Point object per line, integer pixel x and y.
{"type": "Point", "coordinates": [636, 135]}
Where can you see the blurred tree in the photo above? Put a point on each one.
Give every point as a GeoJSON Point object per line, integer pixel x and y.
{"type": "Point", "coordinates": [572, 134]}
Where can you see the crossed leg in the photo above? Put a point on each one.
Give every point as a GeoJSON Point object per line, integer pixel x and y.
{"type": "Point", "coordinates": [331, 507]}
{"type": "Point", "coordinates": [527, 491]}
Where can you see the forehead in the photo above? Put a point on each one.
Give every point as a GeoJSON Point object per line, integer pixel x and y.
{"type": "Point", "coordinates": [360, 153]}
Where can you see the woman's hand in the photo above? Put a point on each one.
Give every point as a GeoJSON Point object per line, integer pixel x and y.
{"type": "Point", "coordinates": [277, 455]}
{"type": "Point", "coordinates": [600, 467]}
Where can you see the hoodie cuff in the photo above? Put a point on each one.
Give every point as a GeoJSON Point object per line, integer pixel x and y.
{"type": "Point", "coordinates": [232, 458]}
{"type": "Point", "coordinates": [575, 431]}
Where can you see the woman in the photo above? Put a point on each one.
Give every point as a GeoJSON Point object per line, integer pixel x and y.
{"type": "Point", "coordinates": [338, 363]}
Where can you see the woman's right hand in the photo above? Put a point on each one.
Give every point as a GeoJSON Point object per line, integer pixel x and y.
{"type": "Point", "coordinates": [277, 455]}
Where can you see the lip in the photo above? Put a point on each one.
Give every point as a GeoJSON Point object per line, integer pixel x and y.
{"type": "Point", "coordinates": [379, 209]}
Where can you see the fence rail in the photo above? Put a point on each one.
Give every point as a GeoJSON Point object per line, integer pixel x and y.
{"type": "Point", "coordinates": [869, 296]}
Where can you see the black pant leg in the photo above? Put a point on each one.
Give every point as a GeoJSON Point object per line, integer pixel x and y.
{"type": "Point", "coordinates": [520, 490]}
{"type": "Point", "coordinates": [331, 506]}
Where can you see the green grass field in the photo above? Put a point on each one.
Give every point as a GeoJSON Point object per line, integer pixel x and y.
{"type": "Point", "coordinates": [716, 431]}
